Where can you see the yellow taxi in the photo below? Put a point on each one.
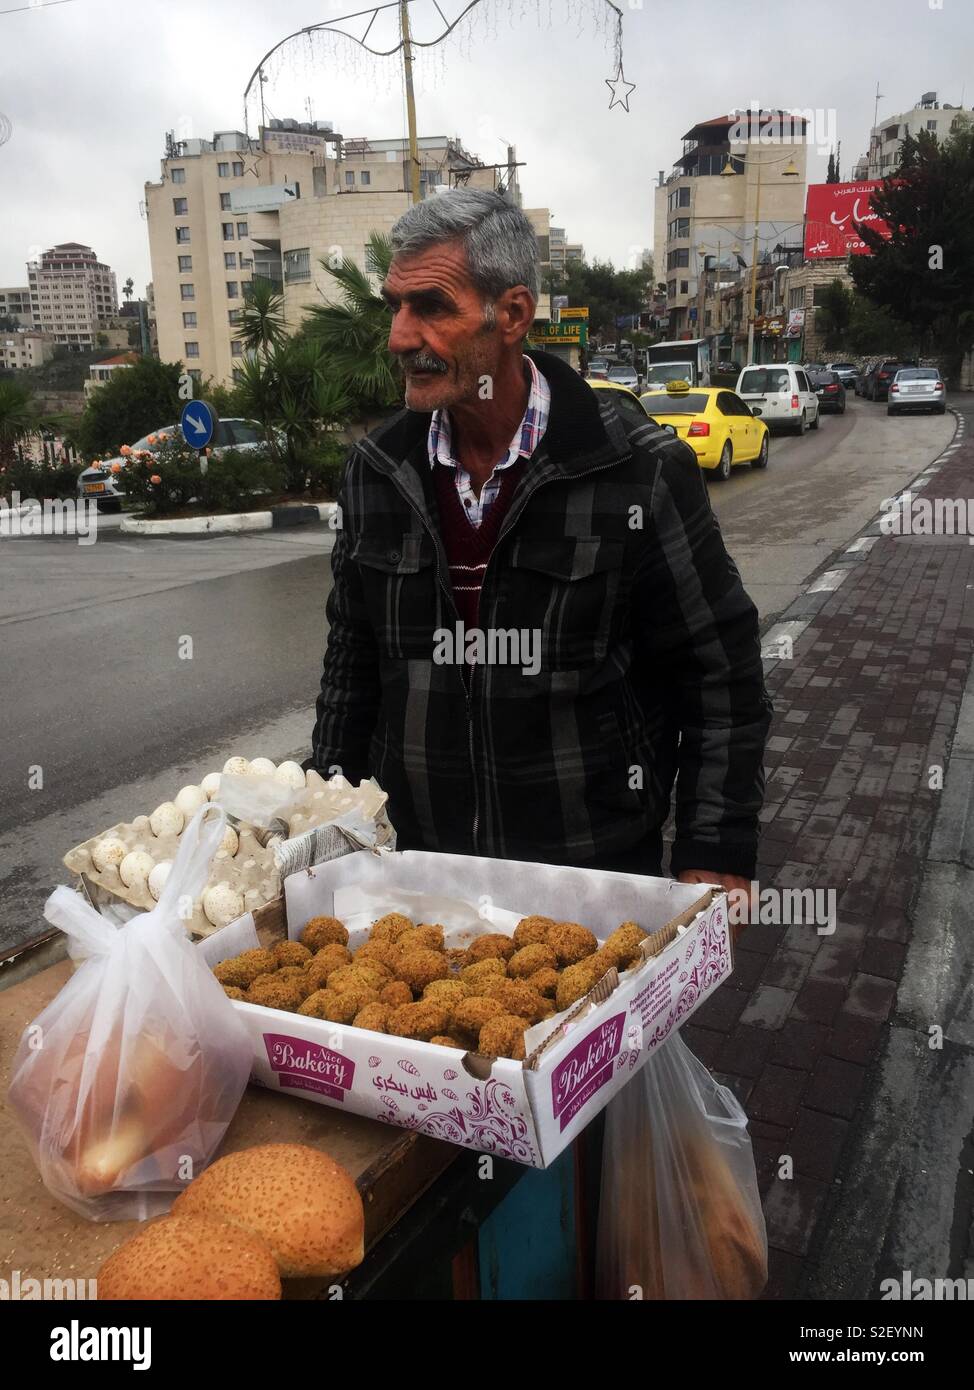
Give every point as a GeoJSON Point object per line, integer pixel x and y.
{"type": "Point", "coordinates": [626, 402]}
{"type": "Point", "coordinates": [715, 422]}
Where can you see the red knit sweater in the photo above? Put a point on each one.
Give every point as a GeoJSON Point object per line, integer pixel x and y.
{"type": "Point", "coordinates": [469, 547]}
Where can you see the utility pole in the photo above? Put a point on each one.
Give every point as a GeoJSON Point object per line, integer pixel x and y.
{"type": "Point", "coordinates": [754, 268]}
{"type": "Point", "coordinates": [407, 64]}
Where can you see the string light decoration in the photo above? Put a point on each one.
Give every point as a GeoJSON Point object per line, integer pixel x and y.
{"type": "Point", "coordinates": [385, 30]}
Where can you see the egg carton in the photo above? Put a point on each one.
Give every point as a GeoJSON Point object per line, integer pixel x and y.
{"type": "Point", "coordinates": [128, 863]}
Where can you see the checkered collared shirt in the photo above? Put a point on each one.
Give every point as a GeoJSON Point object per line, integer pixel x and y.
{"type": "Point", "coordinates": [526, 438]}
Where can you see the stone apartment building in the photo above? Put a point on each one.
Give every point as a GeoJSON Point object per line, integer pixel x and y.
{"type": "Point", "coordinates": [15, 304]}
{"type": "Point", "coordinates": [72, 293]}
{"type": "Point", "coordinates": [25, 349]}
{"type": "Point", "coordinates": [227, 209]}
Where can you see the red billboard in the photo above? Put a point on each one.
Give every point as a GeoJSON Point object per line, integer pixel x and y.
{"type": "Point", "coordinates": [833, 214]}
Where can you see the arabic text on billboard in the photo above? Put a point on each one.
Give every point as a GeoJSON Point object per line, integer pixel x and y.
{"type": "Point", "coordinates": [833, 214]}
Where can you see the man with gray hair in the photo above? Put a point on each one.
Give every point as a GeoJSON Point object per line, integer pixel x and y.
{"type": "Point", "coordinates": [509, 497]}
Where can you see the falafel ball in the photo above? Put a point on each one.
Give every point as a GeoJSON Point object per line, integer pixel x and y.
{"type": "Point", "coordinates": [571, 942]}
{"type": "Point", "coordinates": [576, 980]}
{"type": "Point", "coordinates": [275, 993]}
{"type": "Point", "coordinates": [622, 945]}
{"type": "Point", "coordinates": [232, 992]}
{"type": "Point", "coordinates": [484, 972]}
{"type": "Point", "coordinates": [517, 997]}
{"type": "Point", "coordinates": [390, 927]}
{"type": "Point", "coordinates": [373, 1016]}
{"type": "Point", "coordinates": [470, 1015]}
{"type": "Point", "coordinates": [369, 974]}
{"type": "Point", "coordinates": [493, 944]}
{"type": "Point", "coordinates": [531, 930]}
{"type": "Point", "coordinates": [545, 982]}
{"type": "Point", "coordinates": [424, 1020]}
{"type": "Point", "coordinates": [322, 931]}
{"type": "Point", "coordinates": [243, 970]}
{"type": "Point", "coordinates": [448, 992]}
{"type": "Point", "coordinates": [529, 959]}
{"type": "Point", "coordinates": [503, 1036]}
{"type": "Point", "coordinates": [356, 996]}
{"type": "Point", "coordinates": [395, 993]}
{"type": "Point", "coordinates": [291, 953]}
{"type": "Point", "coordinates": [384, 953]}
{"type": "Point", "coordinates": [446, 1040]}
{"type": "Point", "coordinates": [325, 962]}
{"type": "Point", "coordinates": [423, 937]}
{"type": "Point", "coordinates": [421, 967]}
{"type": "Point", "coordinates": [326, 1004]}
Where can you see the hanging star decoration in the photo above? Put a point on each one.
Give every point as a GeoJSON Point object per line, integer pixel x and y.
{"type": "Point", "coordinates": [620, 97]}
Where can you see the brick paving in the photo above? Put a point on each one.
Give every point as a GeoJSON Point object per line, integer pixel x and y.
{"type": "Point", "coordinates": [866, 707]}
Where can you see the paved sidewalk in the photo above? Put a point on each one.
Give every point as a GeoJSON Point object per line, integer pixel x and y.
{"type": "Point", "coordinates": [883, 645]}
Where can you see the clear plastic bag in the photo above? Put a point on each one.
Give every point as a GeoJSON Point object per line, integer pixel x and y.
{"type": "Point", "coordinates": [680, 1214]}
{"type": "Point", "coordinates": [125, 1084]}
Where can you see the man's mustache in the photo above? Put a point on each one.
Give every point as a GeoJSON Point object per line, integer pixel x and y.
{"type": "Point", "coordinates": [422, 362]}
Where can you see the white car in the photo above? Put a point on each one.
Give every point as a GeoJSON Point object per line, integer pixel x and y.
{"type": "Point", "coordinates": [781, 395]}
{"type": "Point", "coordinates": [624, 376]}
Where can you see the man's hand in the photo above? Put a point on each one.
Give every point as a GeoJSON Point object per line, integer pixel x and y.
{"type": "Point", "coordinates": [738, 893]}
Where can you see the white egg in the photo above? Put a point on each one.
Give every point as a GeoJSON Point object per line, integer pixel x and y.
{"type": "Point", "coordinates": [189, 800]}
{"type": "Point", "coordinates": [222, 904]}
{"type": "Point", "coordinates": [211, 784]}
{"type": "Point", "coordinates": [167, 819]}
{"type": "Point", "coordinates": [291, 774]}
{"type": "Point", "coordinates": [158, 876]}
{"type": "Point", "coordinates": [135, 868]}
{"type": "Point", "coordinates": [230, 841]}
{"type": "Point", "coordinates": [109, 851]}
{"type": "Point", "coordinates": [262, 767]}
{"type": "Point", "coordinates": [237, 767]}
{"type": "Point", "coordinates": [141, 824]}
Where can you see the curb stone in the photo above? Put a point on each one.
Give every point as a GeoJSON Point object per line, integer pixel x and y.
{"type": "Point", "coordinates": [231, 523]}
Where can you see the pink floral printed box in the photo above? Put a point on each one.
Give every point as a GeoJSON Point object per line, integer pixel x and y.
{"type": "Point", "coordinates": [526, 1111]}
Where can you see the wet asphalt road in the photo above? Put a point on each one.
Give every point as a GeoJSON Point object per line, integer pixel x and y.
{"type": "Point", "coordinates": [96, 694]}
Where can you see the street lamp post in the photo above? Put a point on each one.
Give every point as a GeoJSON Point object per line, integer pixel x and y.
{"type": "Point", "coordinates": [790, 173]}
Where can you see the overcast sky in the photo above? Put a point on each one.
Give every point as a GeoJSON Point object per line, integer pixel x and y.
{"type": "Point", "coordinates": [89, 87]}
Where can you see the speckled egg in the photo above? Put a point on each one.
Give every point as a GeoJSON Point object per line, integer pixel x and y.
{"type": "Point", "coordinates": [262, 767]}
{"type": "Point", "coordinates": [167, 819]}
{"type": "Point", "coordinates": [222, 904]}
{"type": "Point", "coordinates": [135, 868]}
{"type": "Point", "coordinates": [189, 800]}
{"type": "Point", "coordinates": [109, 852]}
{"type": "Point", "coordinates": [157, 878]}
{"type": "Point", "coordinates": [230, 841]}
{"type": "Point", "coordinates": [291, 774]}
{"type": "Point", "coordinates": [237, 767]}
{"type": "Point", "coordinates": [210, 784]}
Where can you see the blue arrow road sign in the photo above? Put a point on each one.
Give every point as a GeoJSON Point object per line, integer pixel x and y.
{"type": "Point", "coordinates": [198, 423]}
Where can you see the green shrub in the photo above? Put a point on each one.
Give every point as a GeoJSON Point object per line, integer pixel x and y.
{"type": "Point", "coordinates": [38, 480]}
{"type": "Point", "coordinates": [233, 480]}
{"type": "Point", "coordinates": [324, 464]}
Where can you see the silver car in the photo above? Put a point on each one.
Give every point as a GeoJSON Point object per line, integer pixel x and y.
{"type": "Point", "coordinates": [624, 376]}
{"type": "Point", "coordinates": [845, 371]}
{"type": "Point", "coordinates": [916, 388]}
{"type": "Point", "coordinates": [106, 484]}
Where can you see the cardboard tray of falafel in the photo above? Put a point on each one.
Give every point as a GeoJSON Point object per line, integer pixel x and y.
{"type": "Point", "coordinates": [497, 1004]}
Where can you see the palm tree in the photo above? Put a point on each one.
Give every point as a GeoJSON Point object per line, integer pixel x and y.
{"type": "Point", "coordinates": [127, 288]}
{"type": "Point", "coordinates": [19, 418]}
{"type": "Point", "coordinates": [261, 324]}
{"type": "Point", "coordinates": [354, 333]}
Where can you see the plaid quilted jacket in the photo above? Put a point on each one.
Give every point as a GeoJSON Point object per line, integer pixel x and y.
{"type": "Point", "coordinates": [650, 669]}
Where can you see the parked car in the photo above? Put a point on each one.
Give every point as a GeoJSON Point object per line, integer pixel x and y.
{"type": "Point", "coordinates": [881, 375]}
{"type": "Point", "coordinates": [624, 376]}
{"type": "Point", "coordinates": [781, 394]}
{"type": "Point", "coordinates": [845, 371]}
{"type": "Point", "coordinates": [627, 403]}
{"type": "Point", "coordinates": [598, 369]}
{"type": "Point", "coordinates": [728, 367]}
{"type": "Point", "coordinates": [830, 391]}
{"type": "Point", "coordinates": [862, 377]}
{"type": "Point", "coordinates": [917, 388]}
{"type": "Point", "coordinates": [813, 366]}
{"type": "Point", "coordinates": [608, 347]}
{"type": "Point", "coordinates": [715, 422]}
{"type": "Point", "coordinates": [108, 486]}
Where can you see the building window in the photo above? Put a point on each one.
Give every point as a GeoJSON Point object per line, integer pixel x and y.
{"type": "Point", "coordinates": [182, 235]}
{"type": "Point", "coordinates": [931, 125]}
{"type": "Point", "coordinates": [189, 320]}
{"type": "Point", "coordinates": [180, 206]}
{"type": "Point", "coordinates": [192, 349]}
{"type": "Point", "coordinates": [246, 262]}
{"type": "Point", "coordinates": [679, 198]}
{"type": "Point", "coordinates": [671, 289]}
{"type": "Point", "coordinates": [196, 374]}
{"type": "Point", "coordinates": [242, 230]}
{"type": "Point", "coordinates": [365, 177]}
{"type": "Point", "coordinates": [233, 290]}
{"type": "Point", "coordinates": [680, 227]}
{"type": "Point", "coordinates": [224, 202]}
{"type": "Point", "coordinates": [229, 260]}
{"type": "Point", "coordinates": [707, 317]}
{"type": "Point", "coordinates": [235, 315]}
{"type": "Point", "coordinates": [297, 265]}
{"type": "Point", "coordinates": [223, 169]}
{"type": "Point", "coordinates": [684, 286]}
{"type": "Point", "coordinates": [677, 259]}
{"type": "Point", "coordinates": [818, 295]}
{"type": "Point", "coordinates": [178, 175]}
{"type": "Point", "coordinates": [236, 348]}
{"type": "Point", "coordinates": [796, 299]}
{"type": "Point", "coordinates": [187, 292]}
{"type": "Point", "coordinates": [238, 374]}
{"type": "Point", "coordinates": [350, 177]}
{"type": "Point", "coordinates": [228, 231]}
{"type": "Point", "coordinates": [238, 168]}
